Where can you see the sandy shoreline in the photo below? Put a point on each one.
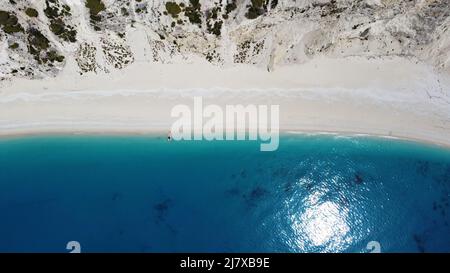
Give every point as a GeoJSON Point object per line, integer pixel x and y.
{"type": "Point", "coordinates": [394, 97]}
{"type": "Point", "coordinates": [152, 133]}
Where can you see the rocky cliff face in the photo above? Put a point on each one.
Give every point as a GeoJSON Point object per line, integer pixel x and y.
{"type": "Point", "coordinates": [39, 38]}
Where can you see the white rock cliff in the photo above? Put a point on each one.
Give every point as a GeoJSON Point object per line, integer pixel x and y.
{"type": "Point", "coordinates": [40, 38]}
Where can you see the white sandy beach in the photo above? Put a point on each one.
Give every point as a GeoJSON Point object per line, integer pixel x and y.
{"type": "Point", "coordinates": [387, 91]}
{"type": "Point", "coordinates": [388, 97]}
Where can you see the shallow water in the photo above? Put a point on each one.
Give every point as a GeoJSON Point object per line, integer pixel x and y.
{"type": "Point", "coordinates": [144, 194]}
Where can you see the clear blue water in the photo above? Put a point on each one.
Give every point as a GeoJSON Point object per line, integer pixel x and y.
{"type": "Point", "coordinates": [144, 194]}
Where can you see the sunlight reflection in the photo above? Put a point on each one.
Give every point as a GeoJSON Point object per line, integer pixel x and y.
{"type": "Point", "coordinates": [325, 224]}
{"type": "Point", "coordinates": [322, 226]}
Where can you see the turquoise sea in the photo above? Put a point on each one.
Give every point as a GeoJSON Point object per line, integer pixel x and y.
{"type": "Point", "coordinates": [145, 194]}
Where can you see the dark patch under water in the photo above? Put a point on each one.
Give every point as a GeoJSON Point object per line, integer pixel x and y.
{"type": "Point", "coordinates": [144, 194]}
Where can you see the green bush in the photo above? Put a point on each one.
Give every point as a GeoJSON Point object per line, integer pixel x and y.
{"type": "Point", "coordinates": [173, 8]}
{"type": "Point", "coordinates": [31, 12]}
{"type": "Point", "coordinates": [9, 22]}
{"type": "Point", "coordinates": [95, 6]}
{"type": "Point", "coordinates": [14, 46]}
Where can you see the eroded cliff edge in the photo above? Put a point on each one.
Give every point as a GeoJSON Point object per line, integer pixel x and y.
{"type": "Point", "coordinates": [39, 38]}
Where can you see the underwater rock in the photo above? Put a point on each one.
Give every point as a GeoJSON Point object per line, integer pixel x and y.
{"type": "Point", "coordinates": [144, 248]}
{"type": "Point", "coordinates": [116, 196]}
{"type": "Point", "coordinates": [255, 195]}
{"type": "Point", "coordinates": [423, 167]}
{"type": "Point", "coordinates": [419, 242]}
{"type": "Point", "coordinates": [446, 175]}
{"type": "Point", "coordinates": [440, 206]}
{"type": "Point", "coordinates": [288, 187]}
{"type": "Point", "coordinates": [162, 209]}
{"type": "Point", "coordinates": [358, 179]}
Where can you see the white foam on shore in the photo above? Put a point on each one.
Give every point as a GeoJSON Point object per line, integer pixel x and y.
{"type": "Point", "coordinates": [354, 136]}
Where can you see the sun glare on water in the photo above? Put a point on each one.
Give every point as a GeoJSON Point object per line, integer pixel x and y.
{"type": "Point", "coordinates": [321, 225]}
